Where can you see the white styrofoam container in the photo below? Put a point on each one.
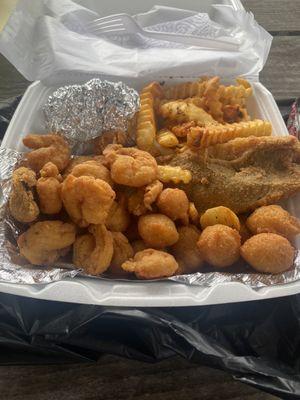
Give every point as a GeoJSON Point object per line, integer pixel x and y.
{"type": "Point", "coordinates": [29, 118]}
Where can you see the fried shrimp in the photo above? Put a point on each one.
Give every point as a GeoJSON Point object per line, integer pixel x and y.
{"type": "Point", "coordinates": [87, 200]}
{"type": "Point", "coordinates": [273, 219]}
{"type": "Point", "coordinates": [48, 189]}
{"type": "Point", "coordinates": [219, 245]}
{"type": "Point", "coordinates": [45, 241]}
{"type": "Point", "coordinates": [75, 160]}
{"type": "Point", "coordinates": [175, 204]}
{"type": "Point", "coordinates": [152, 191]}
{"type": "Point", "coordinates": [136, 204]}
{"type": "Point", "coordinates": [268, 252]}
{"type": "Point", "coordinates": [130, 166]}
{"type": "Point", "coordinates": [94, 252]}
{"type": "Point", "coordinates": [21, 201]}
{"type": "Point", "coordinates": [151, 264]}
{"type": "Point", "coordinates": [157, 230]}
{"type": "Point", "coordinates": [51, 147]}
{"type": "Point", "coordinates": [122, 252]}
{"type": "Point", "coordinates": [186, 250]}
{"type": "Point", "coordinates": [92, 168]}
{"type": "Point", "coordinates": [118, 218]}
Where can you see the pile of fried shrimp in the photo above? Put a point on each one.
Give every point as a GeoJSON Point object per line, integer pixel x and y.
{"type": "Point", "coordinates": [121, 213]}
{"type": "Point", "coordinates": [118, 212]}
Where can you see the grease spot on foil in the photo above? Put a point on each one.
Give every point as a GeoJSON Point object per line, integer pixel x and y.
{"type": "Point", "coordinates": [83, 112]}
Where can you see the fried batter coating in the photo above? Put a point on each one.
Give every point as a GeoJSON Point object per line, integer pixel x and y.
{"type": "Point", "coordinates": [274, 219]}
{"type": "Point", "coordinates": [175, 204]}
{"type": "Point", "coordinates": [220, 245]}
{"type": "Point", "coordinates": [138, 245]}
{"type": "Point", "coordinates": [193, 214]}
{"type": "Point", "coordinates": [151, 264]}
{"type": "Point", "coordinates": [186, 250]}
{"type": "Point", "coordinates": [75, 160]}
{"type": "Point", "coordinates": [44, 242]}
{"type": "Point", "coordinates": [21, 201]}
{"type": "Point", "coordinates": [136, 205]}
{"type": "Point", "coordinates": [83, 247]}
{"type": "Point", "coordinates": [48, 189]}
{"type": "Point", "coordinates": [130, 166]}
{"type": "Point", "coordinates": [94, 252]}
{"type": "Point", "coordinates": [92, 168]}
{"type": "Point", "coordinates": [51, 147]}
{"type": "Point", "coordinates": [157, 230]}
{"type": "Point", "coordinates": [152, 191]}
{"type": "Point", "coordinates": [122, 252]}
{"type": "Point", "coordinates": [268, 253]}
{"type": "Point", "coordinates": [87, 200]}
{"type": "Point", "coordinates": [118, 218]}
{"type": "Point", "coordinates": [220, 215]}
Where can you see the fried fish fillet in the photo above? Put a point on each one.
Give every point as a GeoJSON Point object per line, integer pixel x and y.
{"type": "Point", "coordinates": [242, 174]}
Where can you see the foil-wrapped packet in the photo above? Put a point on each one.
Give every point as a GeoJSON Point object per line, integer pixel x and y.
{"type": "Point", "coordinates": [83, 112]}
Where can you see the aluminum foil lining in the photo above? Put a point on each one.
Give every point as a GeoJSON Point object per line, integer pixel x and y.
{"type": "Point", "coordinates": [13, 269]}
{"type": "Point", "coordinates": [83, 112]}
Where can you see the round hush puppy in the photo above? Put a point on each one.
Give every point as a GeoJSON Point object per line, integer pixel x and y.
{"type": "Point", "coordinates": [175, 204]}
{"type": "Point", "coordinates": [151, 264]}
{"type": "Point", "coordinates": [220, 245]}
{"type": "Point", "coordinates": [157, 230]}
{"type": "Point", "coordinates": [268, 253]}
{"type": "Point", "coordinates": [273, 219]}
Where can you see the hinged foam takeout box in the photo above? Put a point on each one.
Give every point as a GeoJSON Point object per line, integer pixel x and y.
{"type": "Point", "coordinates": [46, 42]}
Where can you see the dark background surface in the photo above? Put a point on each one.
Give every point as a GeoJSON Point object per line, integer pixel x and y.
{"type": "Point", "coordinates": [113, 377]}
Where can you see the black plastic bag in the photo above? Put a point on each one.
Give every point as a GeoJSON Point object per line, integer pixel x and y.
{"type": "Point", "coordinates": [257, 342]}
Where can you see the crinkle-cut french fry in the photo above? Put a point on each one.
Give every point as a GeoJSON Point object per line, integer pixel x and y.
{"type": "Point", "coordinates": [181, 111]}
{"type": "Point", "coordinates": [212, 98]}
{"type": "Point", "coordinates": [235, 113]}
{"type": "Point", "coordinates": [158, 150]}
{"type": "Point", "coordinates": [155, 89]}
{"type": "Point", "coordinates": [146, 124]}
{"type": "Point", "coordinates": [197, 101]}
{"type": "Point", "coordinates": [166, 138]}
{"type": "Point", "coordinates": [236, 94]}
{"type": "Point", "coordinates": [183, 129]}
{"type": "Point", "coordinates": [184, 90]}
{"type": "Point", "coordinates": [200, 137]}
{"type": "Point", "coordinates": [167, 173]}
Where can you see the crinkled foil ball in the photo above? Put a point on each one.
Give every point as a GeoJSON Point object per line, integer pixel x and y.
{"type": "Point", "coordinates": [83, 112]}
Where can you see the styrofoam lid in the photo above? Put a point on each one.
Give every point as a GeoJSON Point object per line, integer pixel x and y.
{"type": "Point", "coordinates": [47, 40]}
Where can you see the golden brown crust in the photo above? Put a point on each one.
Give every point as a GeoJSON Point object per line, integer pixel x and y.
{"type": "Point", "coordinates": [46, 148]}
{"type": "Point", "coordinates": [151, 264]}
{"type": "Point", "coordinates": [22, 205]}
{"type": "Point", "coordinates": [220, 245]}
{"type": "Point", "coordinates": [268, 253]}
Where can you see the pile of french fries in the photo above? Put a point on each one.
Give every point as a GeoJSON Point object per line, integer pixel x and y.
{"type": "Point", "coordinates": [195, 114]}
